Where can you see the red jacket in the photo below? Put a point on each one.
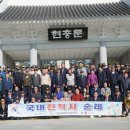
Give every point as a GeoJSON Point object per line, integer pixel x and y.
{"type": "Point", "coordinates": [77, 97]}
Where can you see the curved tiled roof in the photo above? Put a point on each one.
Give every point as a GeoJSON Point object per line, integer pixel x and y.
{"type": "Point", "coordinates": [63, 12]}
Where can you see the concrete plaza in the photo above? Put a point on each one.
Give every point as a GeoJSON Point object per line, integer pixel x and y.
{"type": "Point", "coordinates": [73, 123]}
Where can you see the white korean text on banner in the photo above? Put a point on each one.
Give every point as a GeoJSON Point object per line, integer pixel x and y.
{"type": "Point", "coordinates": [65, 109]}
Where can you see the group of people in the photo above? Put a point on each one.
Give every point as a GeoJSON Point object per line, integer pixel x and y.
{"type": "Point", "coordinates": [80, 82]}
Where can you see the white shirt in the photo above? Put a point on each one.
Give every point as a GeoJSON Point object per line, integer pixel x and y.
{"type": "Point", "coordinates": [22, 100]}
{"type": "Point", "coordinates": [70, 79]}
{"type": "Point", "coordinates": [45, 79]}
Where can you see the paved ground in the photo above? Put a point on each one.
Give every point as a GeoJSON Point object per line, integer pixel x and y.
{"type": "Point", "coordinates": [68, 124]}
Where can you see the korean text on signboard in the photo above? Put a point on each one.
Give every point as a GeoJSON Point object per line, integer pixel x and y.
{"type": "Point", "coordinates": [68, 33]}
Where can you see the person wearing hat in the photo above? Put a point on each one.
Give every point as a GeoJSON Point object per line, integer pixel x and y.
{"type": "Point", "coordinates": [127, 103]}
{"type": "Point", "coordinates": [9, 98]}
{"type": "Point", "coordinates": [36, 94]}
{"type": "Point", "coordinates": [18, 78]}
{"type": "Point", "coordinates": [27, 84]}
{"type": "Point", "coordinates": [31, 70]}
{"type": "Point", "coordinates": [118, 97]}
{"type": "Point", "coordinates": [47, 93]}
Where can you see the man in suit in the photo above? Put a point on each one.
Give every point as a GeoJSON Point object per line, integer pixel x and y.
{"type": "Point", "coordinates": [113, 80]}
{"type": "Point", "coordinates": [16, 93]}
{"type": "Point", "coordinates": [82, 81]}
{"type": "Point", "coordinates": [18, 78]}
{"type": "Point", "coordinates": [52, 76]}
{"type": "Point", "coordinates": [8, 85]}
{"type": "Point", "coordinates": [101, 77]}
{"type": "Point", "coordinates": [36, 79]}
{"type": "Point", "coordinates": [59, 80]}
{"type": "Point", "coordinates": [118, 96]}
{"type": "Point", "coordinates": [9, 98]}
{"type": "Point", "coordinates": [63, 72]}
{"type": "Point", "coordinates": [125, 83]}
{"type": "Point", "coordinates": [3, 109]}
{"type": "Point", "coordinates": [107, 97]}
{"type": "Point", "coordinates": [95, 97]}
{"type": "Point", "coordinates": [94, 89]}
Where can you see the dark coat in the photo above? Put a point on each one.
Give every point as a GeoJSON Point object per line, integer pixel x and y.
{"type": "Point", "coordinates": [98, 90]}
{"type": "Point", "coordinates": [125, 84]}
{"type": "Point", "coordinates": [98, 99]}
{"type": "Point", "coordinates": [8, 85]}
{"type": "Point", "coordinates": [108, 75]}
{"type": "Point", "coordinates": [114, 78]}
{"type": "Point", "coordinates": [87, 99]}
{"type": "Point", "coordinates": [109, 99]}
{"type": "Point", "coordinates": [18, 79]}
{"type": "Point", "coordinates": [59, 81]}
{"type": "Point", "coordinates": [16, 94]}
{"type": "Point", "coordinates": [9, 100]}
{"type": "Point", "coordinates": [118, 99]}
{"type": "Point", "coordinates": [82, 81]}
{"type": "Point", "coordinates": [52, 76]}
{"type": "Point", "coordinates": [64, 72]}
{"type": "Point", "coordinates": [3, 112]}
{"type": "Point", "coordinates": [101, 77]}
{"type": "Point", "coordinates": [36, 80]}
